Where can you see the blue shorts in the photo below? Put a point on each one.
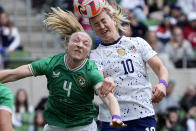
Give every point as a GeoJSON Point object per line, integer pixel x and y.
{"type": "Point", "coordinates": [144, 124]}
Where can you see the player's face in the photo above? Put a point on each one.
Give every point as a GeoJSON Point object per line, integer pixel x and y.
{"type": "Point", "coordinates": [105, 27]}
{"type": "Point", "coordinates": [79, 46]}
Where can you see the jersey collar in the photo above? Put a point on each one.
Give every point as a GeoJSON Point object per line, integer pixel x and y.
{"type": "Point", "coordinates": [115, 42]}
{"type": "Point", "coordinates": [77, 68]}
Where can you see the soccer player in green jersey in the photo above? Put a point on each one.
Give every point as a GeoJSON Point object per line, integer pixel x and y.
{"type": "Point", "coordinates": [72, 80]}
{"type": "Point", "coordinates": [6, 106]}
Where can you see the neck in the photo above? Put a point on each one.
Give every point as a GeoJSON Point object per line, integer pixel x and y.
{"type": "Point", "coordinates": [111, 40]}
{"type": "Point", "coordinates": [73, 63]}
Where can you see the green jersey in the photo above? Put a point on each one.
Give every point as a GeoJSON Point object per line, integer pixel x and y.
{"type": "Point", "coordinates": [6, 97]}
{"type": "Point", "coordinates": [71, 92]}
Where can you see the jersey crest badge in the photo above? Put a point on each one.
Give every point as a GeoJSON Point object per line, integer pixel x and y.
{"type": "Point", "coordinates": [54, 74]}
{"type": "Point", "coordinates": [121, 52]}
{"type": "Point", "coordinates": [132, 49]}
{"type": "Point", "coordinates": [82, 81]}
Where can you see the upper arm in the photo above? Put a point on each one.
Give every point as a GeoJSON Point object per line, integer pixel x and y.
{"type": "Point", "coordinates": [155, 63]}
{"type": "Point", "coordinates": [41, 67]}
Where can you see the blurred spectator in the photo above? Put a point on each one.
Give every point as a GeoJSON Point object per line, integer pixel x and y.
{"type": "Point", "coordinates": [187, 6]}
{"type": "Point", "coordinates": [138, 29]}
{"type": "Point", "coordinates": [180, 50]}
{"type": "Point", "coordinates": [190, 29]}
{"type": "Point", "coordinates": [64, 4]}
{"type": "Point", "coordinates": [177, 16]}
{"type": "Point", "coordinates": [163, 31]}
{"type": "Point", "coordinates": [161, 122]}
{"type": "Point", "coordinates": [41, 105]}
{"type": "Point", "coordinates": [170, 100]}
{"type": "Point", "coordinates": [38, 124]}
{"type": "Point", "coordinates": [173, 122]}
{"type": "Point", "coordinates": [159, 47]}
{"type": "Point", "coordinates": [189, 98]}
{"type": "Point", "coordinates": [23, 112]}
{"type": "Point", "coordinates": [191, 121]}
{"type": "Point", "coordinates": [9, 35]}
{"type": "Point", "coordinates": [154, 42]}
{"type": "Point", "coordinates": [154, 5]}
{"type": "Point", "coordinates": [137, 6]}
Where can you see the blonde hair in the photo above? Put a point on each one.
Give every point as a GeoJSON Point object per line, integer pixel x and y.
{"type": "Point", "coordinates": [63, 22]}
{"type": "Point", "coordinates": [118, 13]}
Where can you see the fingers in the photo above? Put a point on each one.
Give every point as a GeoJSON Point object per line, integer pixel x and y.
{"type": "Point", "coordinates": [159, 93]}
{"type": "Point", "coordinates": [116, 123]}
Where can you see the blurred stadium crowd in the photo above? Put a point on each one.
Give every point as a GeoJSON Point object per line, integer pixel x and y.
{"type": "Point", "coordinates": [169, 26]}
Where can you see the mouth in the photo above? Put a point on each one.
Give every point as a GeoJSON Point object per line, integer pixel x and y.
{"type": "Point", "coordinates": [78, 51]}
{"type": "Point", "coordinates": [104, 32]}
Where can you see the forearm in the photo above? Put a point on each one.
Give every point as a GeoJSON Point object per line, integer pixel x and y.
{"type": "Point", "coordinates": [7, 76]}
{"type": "Point", "coordinates": [112, 104]}
{"type": "Point", "coordinates": [158, 67]}
{"type": "Point", "coordinates": [163, 74]}
{"type": "Point", "coordinates": [14, 74]}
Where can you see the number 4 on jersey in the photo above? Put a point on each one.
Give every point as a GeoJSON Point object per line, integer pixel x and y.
{"type": "Point", "coordinates": [67, 88]}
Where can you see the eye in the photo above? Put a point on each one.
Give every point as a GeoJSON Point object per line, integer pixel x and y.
{"type": "Point", "coordinates": [96, 25]}
{"type": "Point", "coordinates": [86, 43]}
{"type": "Point", "coordinates": [104, 21]}
{"type": "Point", "coordinates": [76, 40]}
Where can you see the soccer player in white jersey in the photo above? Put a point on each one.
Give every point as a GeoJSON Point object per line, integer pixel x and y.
{"type": "Point", "coordinates": [124, 59]}
{"type": "Point", "coordinates": [72, 80]}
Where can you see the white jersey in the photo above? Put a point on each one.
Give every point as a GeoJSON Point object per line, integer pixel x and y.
{"type": "Point", "coordinates": [125, 61]}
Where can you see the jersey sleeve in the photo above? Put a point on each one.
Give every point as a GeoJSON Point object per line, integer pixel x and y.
{"type": "Point", "coordinates": [40, 67]}
{"type": "Point", "coordinates": [95, 56]}
{"type": "Point", "coordinates": [145, 49]}
{"type": "Point", "coordinates": [95, 76]}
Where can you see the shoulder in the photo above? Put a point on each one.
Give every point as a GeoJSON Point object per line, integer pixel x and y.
{"type": "Point", "coordinates": [91, 65]}
{"type": "Point", "coordinates": [137, 41]}
{"type": "Point", "coordinates": [92, 69]}
{"type": "Point", "coordinates": [132, 39]}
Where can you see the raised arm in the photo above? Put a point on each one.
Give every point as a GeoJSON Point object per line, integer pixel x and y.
{"type": "Point", "coordinates": [10, 75]}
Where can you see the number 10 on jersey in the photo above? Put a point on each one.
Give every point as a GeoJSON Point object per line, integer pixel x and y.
{"type": "Point", "coordinates": [128, 66]}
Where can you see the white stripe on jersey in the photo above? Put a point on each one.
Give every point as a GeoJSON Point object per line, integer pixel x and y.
{"type": "Point", "coordinates": [125, 61]}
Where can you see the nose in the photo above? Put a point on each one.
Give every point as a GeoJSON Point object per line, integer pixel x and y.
{"type": "Point", "coordinates": [79, 44]}
{"type": "Point", "coordinates": [102, 25]}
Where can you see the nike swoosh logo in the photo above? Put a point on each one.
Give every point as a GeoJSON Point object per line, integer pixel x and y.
{"type": "Point", "coordinates": [108, 54]}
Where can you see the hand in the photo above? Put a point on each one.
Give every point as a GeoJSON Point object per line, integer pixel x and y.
{"type": "Point", "coordinates": [117, 123]}
{"type": "Point", "coordinates": [159, 92]}
{"type": "Point", "coordinates": [107, 86]}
